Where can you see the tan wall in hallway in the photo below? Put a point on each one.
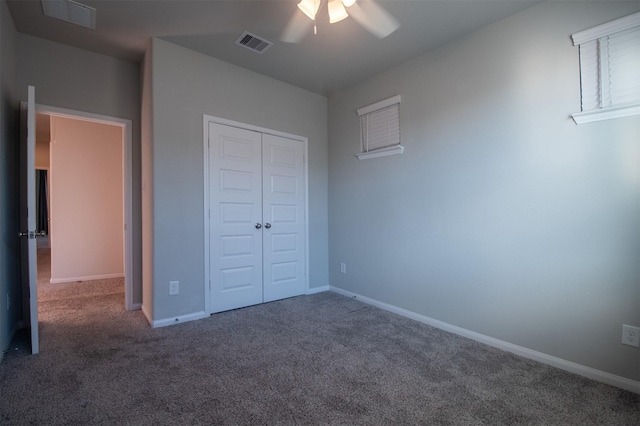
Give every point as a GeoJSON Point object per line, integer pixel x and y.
{"type": "Point", "coordinates": [86, 200]}
{"type": "Point", "coordinates": [43, 137]}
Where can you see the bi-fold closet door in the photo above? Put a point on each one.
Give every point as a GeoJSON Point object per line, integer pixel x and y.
{"type": "Point", "coordinates": [256, 217]}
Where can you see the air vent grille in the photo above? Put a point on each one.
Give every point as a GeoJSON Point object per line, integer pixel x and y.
{"type": "Point", "coordinates": [70, 11]}
{"type": "Point", "coordinates": [253, 42]}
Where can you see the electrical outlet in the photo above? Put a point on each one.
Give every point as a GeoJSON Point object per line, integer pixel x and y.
{"type": "Point", "coordinates": [174, 287]}
{"type": "Point", "coordinates": [343, 268]}
{"type": "Point", "coordinates": [631, 335]}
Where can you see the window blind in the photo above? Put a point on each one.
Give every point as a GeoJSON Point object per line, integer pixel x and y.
{"type": "Point", "coordinates": [381, 129]}
{"type": "Point", "coordinates": [609, 69]}
{"type": "Point", "coordinates": [590, 75]}
{"type": "Point", "coordinates": [380, 124]}
{"type": "Point", "coordinates": [620, 63]}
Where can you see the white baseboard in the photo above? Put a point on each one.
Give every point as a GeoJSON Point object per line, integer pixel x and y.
{"type": "Point", "coordinates": [582, 370]}
{"type": "Point", "coordinates": [318, 289]}
{"type": "Point", "coordinates": [177, 320]}
{"type": "Point", "coordinates": [86, 278]}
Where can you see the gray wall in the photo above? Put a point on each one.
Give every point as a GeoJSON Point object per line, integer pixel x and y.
{"type": "Point", "coordinates": [187, 85]}
{"type": "Point", "coordinates": [77, 79]}
{"type": "Point", "coordinates": [9, 223]}
{"type": "Point", "coordinates": [502, 216]}
{"type": "Point", "coordinates": [147, 180]}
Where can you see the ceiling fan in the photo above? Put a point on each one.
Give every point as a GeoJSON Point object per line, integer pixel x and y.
{"type": "Point", "coordinates": [367, 13]}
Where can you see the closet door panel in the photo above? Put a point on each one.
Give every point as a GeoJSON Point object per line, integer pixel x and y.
{"type": "Point", "coordinates": [235, 185]}
{"type": "Point", "coordinates": [283, 217]}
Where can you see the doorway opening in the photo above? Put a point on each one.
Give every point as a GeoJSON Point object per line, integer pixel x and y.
{"type": "Point", "coordinates": [92, 230]}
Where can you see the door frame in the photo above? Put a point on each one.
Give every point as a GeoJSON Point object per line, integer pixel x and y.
{"type": "Point", "coordinates": [127, 188]}
{"type": "Point", "coordinates": [206, 119]}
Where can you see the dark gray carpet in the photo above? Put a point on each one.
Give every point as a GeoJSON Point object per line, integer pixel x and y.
{"type": "Point", "coordinates": [321, 359]}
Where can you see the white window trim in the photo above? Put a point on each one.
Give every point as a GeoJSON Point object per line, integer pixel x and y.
{"type": "Point", "coordinates": [379, 105]}
{"type": "Point", "coordinates": [606, 114]}
{"type": "Point", "coordinates": [595, 33]}
{"type": "Point", "coordinates": [382, 152]}
{"type": "Point", "coordinates": [607, 28]}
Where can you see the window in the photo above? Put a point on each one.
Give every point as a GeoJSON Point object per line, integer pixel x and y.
{"type": "Point", "coordinates": [609, 70]}
{"type": "Point", "coordinates": [380, 129]}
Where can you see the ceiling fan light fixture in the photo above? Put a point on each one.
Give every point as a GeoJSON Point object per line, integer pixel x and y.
{"type": "Point", "coordinates": [348, 3]}
{"type": "Point", "coordinates": [309, 7]}
{"type": "Point", "coordinates": [337, 11]}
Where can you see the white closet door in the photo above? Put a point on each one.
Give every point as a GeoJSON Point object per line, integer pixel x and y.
{"type": "Point", "coordinates": [235, 184]}
{"type": "Point", "coordinates": [283, 217]}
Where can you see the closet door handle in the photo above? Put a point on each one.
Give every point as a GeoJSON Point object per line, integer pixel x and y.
{"type": "Point", "coordinates": [258, 225]}
{"type": "Point", "coordinates": [267, 225]}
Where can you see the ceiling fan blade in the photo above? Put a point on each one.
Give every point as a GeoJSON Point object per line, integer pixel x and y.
{"type": "Point", "coordinates": [297, 28]}
{"type": "Point", "coordinates": [374, 18]}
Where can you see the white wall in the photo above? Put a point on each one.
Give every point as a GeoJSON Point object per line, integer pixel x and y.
{"type": "Point", "coordinates": [11, 314]}
{"type": "Point", "coordinates": [187, 85]}
{"type": "Point", "coordinates": [77, 79]}
{"type": "Point", "coordinates": [502, 217]}
{"type": "Point", "coordinates": [87, 223]}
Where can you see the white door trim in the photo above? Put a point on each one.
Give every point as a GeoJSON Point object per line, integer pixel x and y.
{"type": "Point", "coordinates": [206, 119]}
{"type": "Point", "coordinates": [127, 185]}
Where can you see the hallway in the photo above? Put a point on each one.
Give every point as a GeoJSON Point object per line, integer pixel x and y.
{"type": "Point", "coordinates": [83, 304]}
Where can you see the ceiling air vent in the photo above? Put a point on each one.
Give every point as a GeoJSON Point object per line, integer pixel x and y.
{"type": "Point", "coordinates": [70, 11]}
{"type": "Point", "coordinates": [253, 42]}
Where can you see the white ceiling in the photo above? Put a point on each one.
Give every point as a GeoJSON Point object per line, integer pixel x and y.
{"type": "Point", "coordinates": [338, 56]}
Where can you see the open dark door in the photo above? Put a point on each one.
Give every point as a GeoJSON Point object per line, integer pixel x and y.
{"type": "Point", "coordinates": [28, 215]}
